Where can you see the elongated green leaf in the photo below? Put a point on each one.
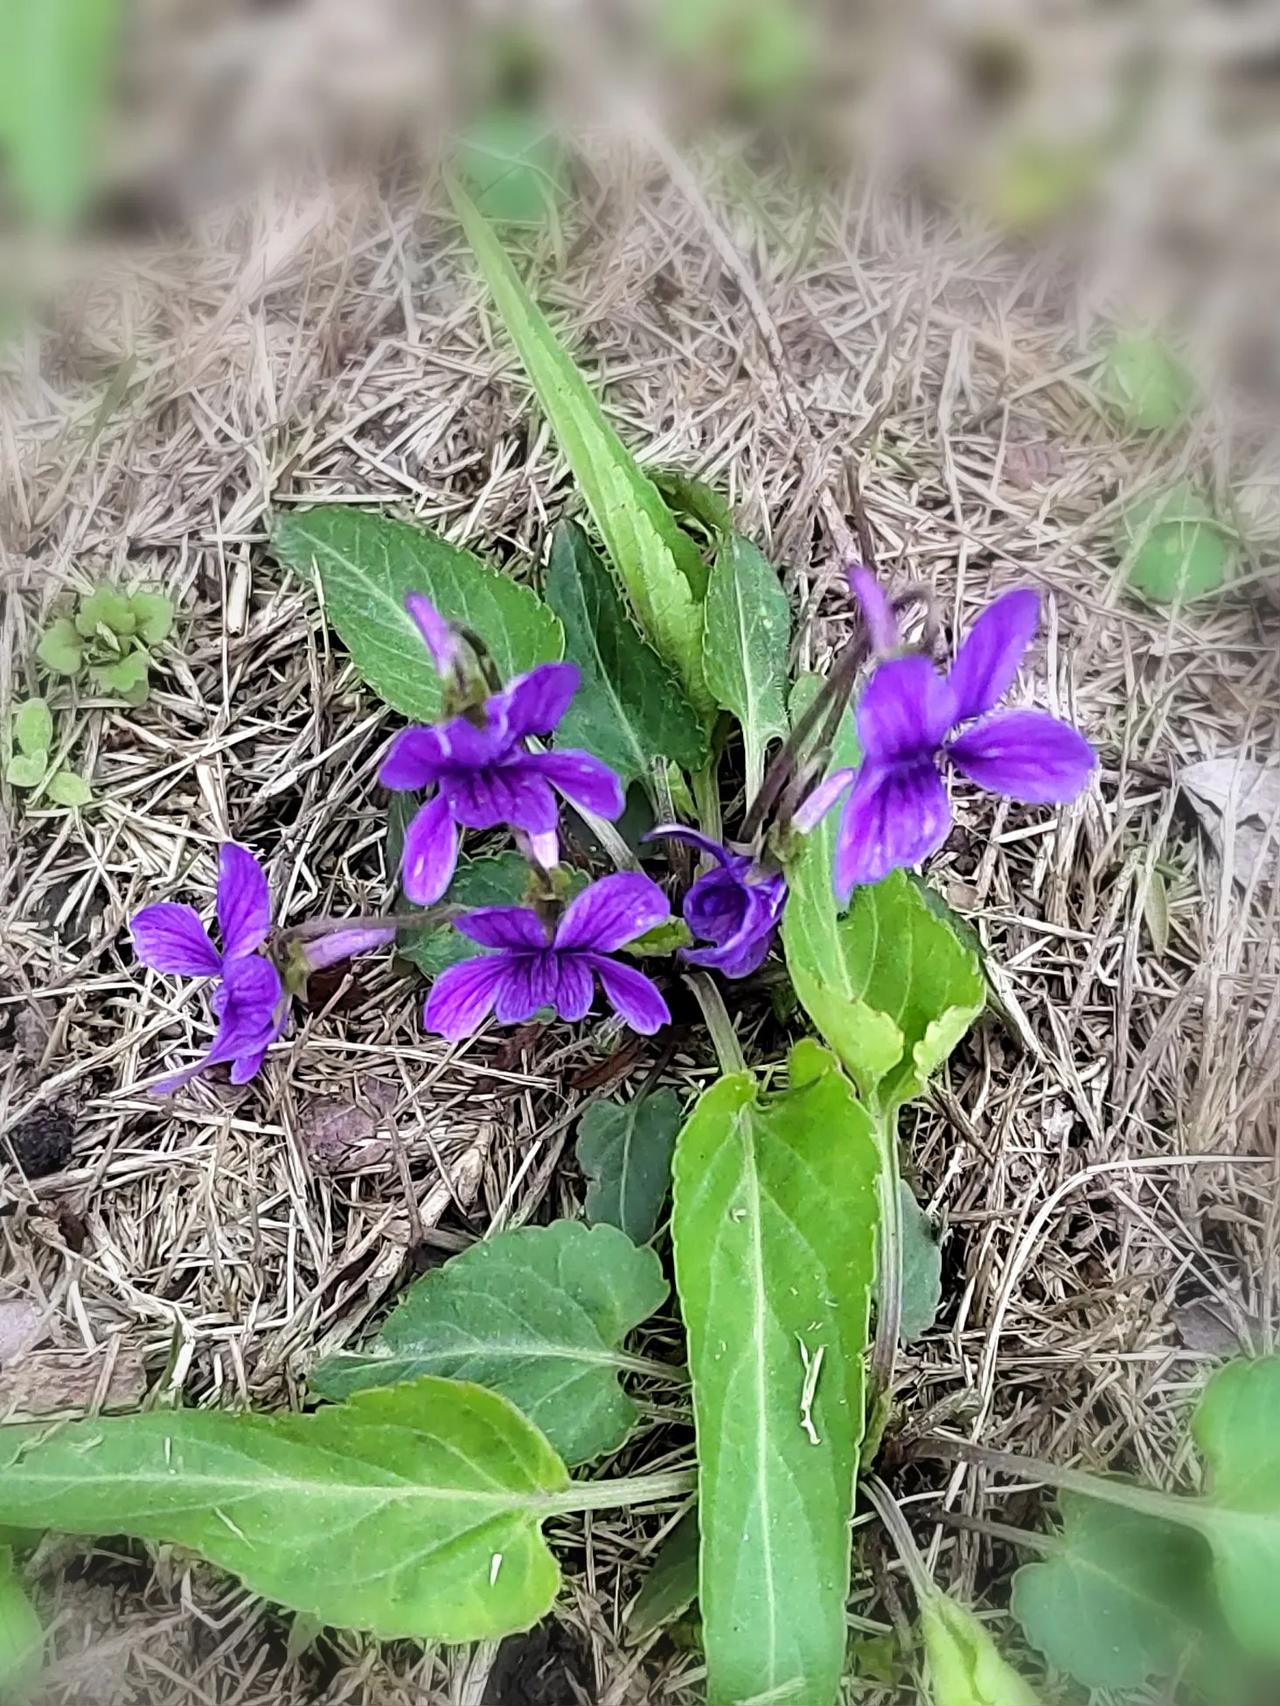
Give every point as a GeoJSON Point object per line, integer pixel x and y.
{"type": "Point", "coordinates": [921, 1268]}
{"type": "Point", "coordinates": [889, 985]}
{"type": "Point", "coordinates": [412, 1511]}
{"type": "Point", "coordinates": [1236, 1429]}
{"type": "Point", "coordinates": [774, 1231]}
{"type": "Point", "coordinates": [56, 60]}
{"type": "Point", "coordinates": [965, 1666]}
{"type": "Point", "coordinates": [367, 563]}
{"type": "Point", "coordinates": [625, 1149]}
{"type": "Point", "coordinates": [21, 1637]}
{"type": "Point", "coordinates": [744, 647]}
{"type": "Point", "coordinates": [658, 564]}
{"type": "Point", "coordinates": [671, 1585]}
{"type": "Point", "coordinates": [630, 708]}
{"type": "Point", "coordinates": [1114, 1603]}
{"type": "Point", "coordinates": [537, 1314]}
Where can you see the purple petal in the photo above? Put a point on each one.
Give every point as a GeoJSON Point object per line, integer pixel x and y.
{"type": "Point", "coordinates": [877, 612]}
{"type": "Point", "coordinates": [430, 852]}
{"type": "Point", "coordinates": [247, 1066]}
{"type": "Point", "coordinates": [437, 635]}
{"type": "Point", "coordinates": [716, 905]}
{"type": "Point", "coordinates": [895, 817]}
{"type": "Point", "coordinates": [414, 760]}
{"type": "Point", "coordinates": [540, 849]}
{"type": "Point", "coordinates": [252, 1011]}
{"type": "Point", "coordinates": [533, 704]}
{"type": "Point", "coordinates": [344, 944]}
{"type": "Point", "coordinates": [1026, 755]}
{"type": "Point", "coordinates": [905, 710]}
{"type": "Point", "coordinates": [531, 984]}
{"type": "Point", "coordinates": [516, 927]}
{"type": "Point", "coordinates": [169, 937]}
{"type": "Point", "coordinates": [984, 667]}
{"type": "Point", "coordinates": [812, 811]}
{"type": "Point", "coordinates": [461, 997]}
{"type": "Point", "coordinates": [694, 838]}
{"type": "Point", "coordinates": [243, 902]}
{"type": "Point", "coordinates": [502, 794]}
{"type": "Point", "coordinates": [633, 996]}
{"type": "Point", "coordinates": [586, 782]}
{"type": "Point", "coordinates": [611, 912]}
{"type": "Point", "coordinates": [739, 957]}
{"type": "Point", "coordinates": [574, 988]}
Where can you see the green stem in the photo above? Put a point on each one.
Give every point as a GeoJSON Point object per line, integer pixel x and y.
{"type": "Point", "coordinates": [1147, 1501]}
{"type": "Point", "coordinates": [884, 1350]}
{"type": "Point", "coordinates": [706, 796]}
{"type": "Point", "coordinates": [724, 1038]}
{"type": "Point", "coordinates": [621, 1492]}
{"type": "Point", "coordinates": [674, 1373]}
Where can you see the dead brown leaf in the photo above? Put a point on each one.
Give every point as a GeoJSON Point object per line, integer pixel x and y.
{"type": "Point", "coordinates": [1240, 798]}
{"type": "Point", "coordinates": [21, 1327]}
{"type": "Point", "coordinates": [52, 1383]}
{"type": "Point", "coordinates": [342, 1133]}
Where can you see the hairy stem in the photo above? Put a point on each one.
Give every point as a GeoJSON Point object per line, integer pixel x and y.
{"type": "Point", "coordinates": [622, 1491]}
{"type": "Point", "coordinates": [723, 1036]}
{"type": "Point", "coordinates": [1147, 1501]}
{"type": "Point", "coordinates": [706, 796]}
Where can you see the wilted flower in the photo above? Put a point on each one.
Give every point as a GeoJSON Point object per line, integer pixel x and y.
{"type": "Point", "coordinates": [911, 720]}
{"type": "Point", "coordinates": [483, 775]}
{"type": "Point", "coordinates": [532, 967]}
{"type": "Point", "coordinates": [736, 908]}
{"type": "Point", "coordinates": [250, 1001]}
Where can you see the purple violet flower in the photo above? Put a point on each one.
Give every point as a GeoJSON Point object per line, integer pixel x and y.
{"type": "Point", "coordinates": [531, 969]}
{"type": "Point", "coordinates": [908, 717]}
{"type": "Point", "coordinates": [438, 635]}
{"type": "Point", "coordinates": [483, 775]}
{"type": "Point", "coordinates": [737, 908]}
{"type": "Point", "coordinates": [250, 1001]}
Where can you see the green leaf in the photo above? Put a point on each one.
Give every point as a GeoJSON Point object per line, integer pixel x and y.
{"type": "Point", "coordinates": [26, 769]}
{"type": "Point", "coordinates": [67, 789]}
{"type": "Point", "coordinates": [662, 941]}
{"type": "Point", "coordinates": [61, 648]}
{"type": "Point", "coordinates": [693, 500]}
{"type": "Point", "coordinates": [965, 1666]}
{"type": "Point", "coordinates": [56, 60]}
{"type": "Point", "coordinates": [408, 1512]}
{"type": "Point", "coordinates": [625, 1149]}
{"type": "Point", "coordinates": [921, 1268]}
{"type": "Point", "coordinates": [125, 677]}
{"type": "Point", "coordinates": [630, 708]}
{"type": "Point", "coordinates": [657, 562]}
{"type": "Point", "coordinates": [1114, 1603]}
{"type": "Point", "coordinates": [1176, 550]}
{"type": "Point", "coordinates": [774, 1228]}
{"type": "Point", "coordinates": [1147, 385]}
{"type": "Point", "coordinates": [537, 1314]}
{"type": "Point", "coordinates": [1235, 1428]}
{"type": "Point", "coordinates": [33, 727]}
{"type": "Point", "coordinates": [104, 607]}
{"type": "Point", "coordinates": [671, 1586]}
{"type": "Point", "coordinates": [21, 1636]}
{"type": "Point", "coordinates": [367, 563]}
{"type": "Point", "coordinates": [513, 165]}
{"type": "Point", "coordinates": [153, 613]}
{"type": "Point", "coordinates": [889, 985]}
{"type": "Point", "coordinates": [744, 647]}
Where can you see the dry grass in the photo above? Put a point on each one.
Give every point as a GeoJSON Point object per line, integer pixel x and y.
{"type": "Point", "coordinates": [1100, 1161]}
